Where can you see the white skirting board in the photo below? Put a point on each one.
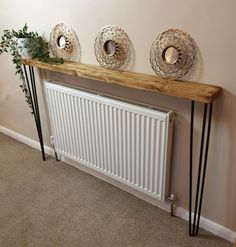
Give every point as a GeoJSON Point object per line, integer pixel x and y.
{"type": "Point", "coordinates": [206, 224]}
{"type": "Point", "coordinates": [26, 140]}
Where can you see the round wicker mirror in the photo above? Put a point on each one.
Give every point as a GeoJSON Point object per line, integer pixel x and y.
{"type": "Point", "coordinates": [64, 42]}
{"type": "Point", "coordinates": [111, 47]}
{"type": "Point", "coordinates": [172, 53]}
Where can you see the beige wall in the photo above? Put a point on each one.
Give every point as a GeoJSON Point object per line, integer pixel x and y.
{"type": "Point", "coordinates": [209, 22]}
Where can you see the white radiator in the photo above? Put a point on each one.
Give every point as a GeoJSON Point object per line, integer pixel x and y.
{"type": "Point", "coordinates": [125, 141]}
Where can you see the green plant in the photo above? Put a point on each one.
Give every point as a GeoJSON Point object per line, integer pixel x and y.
{"type": "Point", "coordinates": [37, 47]}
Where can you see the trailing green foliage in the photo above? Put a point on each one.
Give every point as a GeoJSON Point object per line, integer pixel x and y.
{"type": "Point", "coordinates": [37, 47]}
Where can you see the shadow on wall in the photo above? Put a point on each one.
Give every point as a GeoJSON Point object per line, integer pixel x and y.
{"type": "Point", "coordinates": [130, 61]}
{"type": "Point", "coordinates": [223, 161]}
{"type": "Point", "coordinates": [196, 70]}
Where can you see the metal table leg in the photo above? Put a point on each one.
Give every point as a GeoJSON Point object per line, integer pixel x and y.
{"type": "Point", "coordinates": [34, 102]}
{"type": "Point", "coordinates": [205, 137]}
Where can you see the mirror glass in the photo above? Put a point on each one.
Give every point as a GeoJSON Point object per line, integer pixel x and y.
{"type": "Point", "coordinates": [171, 55]}
{"type": "Point", "coordinates": [110, 47]}
{"type": "Point", "coordinates": [61, 41]}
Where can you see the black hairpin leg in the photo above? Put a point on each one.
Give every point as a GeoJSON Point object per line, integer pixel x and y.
{"type": "Point", "coordinates": [205, 137]}
{"type": "Point", "coordinates": [34, 102]}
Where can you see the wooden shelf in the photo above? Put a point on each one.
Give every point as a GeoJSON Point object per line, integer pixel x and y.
{"type": "Point", "coordinates": [182, 89]}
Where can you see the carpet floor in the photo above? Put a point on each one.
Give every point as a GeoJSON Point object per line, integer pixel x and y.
{"type": "Point", "coordinates": [52, 204]}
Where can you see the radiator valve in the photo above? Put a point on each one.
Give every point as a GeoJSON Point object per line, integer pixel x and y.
{"type": "Point", "coordinates": [171, 200]}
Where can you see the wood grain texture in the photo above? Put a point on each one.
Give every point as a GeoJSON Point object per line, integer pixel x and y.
{"type": "Point", "coordinates": [182, 89]}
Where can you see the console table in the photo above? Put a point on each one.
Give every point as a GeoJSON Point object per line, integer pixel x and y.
{"type": "Point", "coordinates": [192, 91]}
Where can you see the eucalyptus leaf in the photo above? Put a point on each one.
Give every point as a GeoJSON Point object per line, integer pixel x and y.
{"type": "Point", "coordinates": [37, 47]}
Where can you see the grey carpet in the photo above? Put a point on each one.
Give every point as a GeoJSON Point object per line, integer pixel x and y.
{"type": "Point", "coordinates": [54, 204]}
